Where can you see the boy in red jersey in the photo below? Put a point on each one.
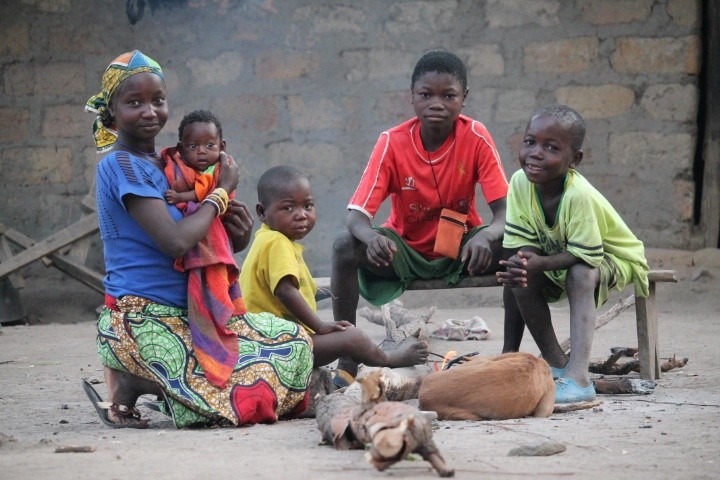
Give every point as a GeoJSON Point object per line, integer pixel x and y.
{"type": "Point", "coordinates": [427, 164]}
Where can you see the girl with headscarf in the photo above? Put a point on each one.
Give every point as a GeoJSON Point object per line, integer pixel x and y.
{"type": "Point", "coordinates": [259, 372]}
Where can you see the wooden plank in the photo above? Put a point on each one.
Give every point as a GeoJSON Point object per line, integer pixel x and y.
{"type": "Point", "coordinates": [80, 229]}
{"type": "Point", "coordinates": [433, 284]}
{"type": "Point", "coordinates": [64, 263]}
{"type": "Point", "coordinates": [79, 250]}
{"type": "Point", "coordinates": [647, 332]}
{"type": "Point", "coordinates": [79, 272]}
{"type": "Point", "coordinates": [15, 279]}
{"type": "Point", "coordinates": [662, 276]}
{"type": "Point", "coordinates": [491, 281]}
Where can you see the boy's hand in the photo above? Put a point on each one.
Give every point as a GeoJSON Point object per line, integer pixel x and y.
{"type": "Point", "coordinates": [171, 197]}
{"type": "Point", "coordinates": [477, 253]}
{"type": "Point", "coordinates": [329, 327]}
{"type": "Point", "coordinates": [518, 268]}
{"type": "Point", "coordinates": [380, 251]}
{"type": "Point", "coordinates": [513, 276]}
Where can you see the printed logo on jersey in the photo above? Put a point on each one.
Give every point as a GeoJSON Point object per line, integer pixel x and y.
{"type": "Point", "coordinates": [421, 213]}
{"type": "Point", "coordinates": [409, 183]}
{"type": "Point", "coordinates": [551, 246]}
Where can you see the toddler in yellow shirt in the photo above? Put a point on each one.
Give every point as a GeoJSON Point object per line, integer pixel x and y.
{"type": "Point", "coordinates": [274, 277]}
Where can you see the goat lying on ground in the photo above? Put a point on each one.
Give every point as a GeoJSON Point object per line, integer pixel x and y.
{"type": "Point", "coordinates": [512, 385]}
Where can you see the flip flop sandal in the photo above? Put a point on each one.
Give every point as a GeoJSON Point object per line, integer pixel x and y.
{"type": "Point", "coordinates": [341, 378]}
{"type": "Point", "coordinates": [161, 405]}
{"type": "Point", "coordinates": [131, 415]}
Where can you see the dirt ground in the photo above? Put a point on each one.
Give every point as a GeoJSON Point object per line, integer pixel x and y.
{"type": "Point", "coordinates": [672, 433]}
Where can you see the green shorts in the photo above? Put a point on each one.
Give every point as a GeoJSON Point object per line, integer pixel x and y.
{"type": "Point", "coordinates": [409, 265]}
{"type": "Point", "coordinates": [615, 274]}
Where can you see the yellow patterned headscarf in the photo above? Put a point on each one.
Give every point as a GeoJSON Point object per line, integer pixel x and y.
{"type": "Point", "coordinates": [119, 69]}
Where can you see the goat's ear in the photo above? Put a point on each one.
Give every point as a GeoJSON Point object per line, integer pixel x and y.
{"type": "Point", "coordinates": [382, 388]}
{"type": "Point", "coordinates": [372, 388]}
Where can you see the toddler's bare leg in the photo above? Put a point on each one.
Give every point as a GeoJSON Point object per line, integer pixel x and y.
{"type": "Point", "coordinates": [355, 344]}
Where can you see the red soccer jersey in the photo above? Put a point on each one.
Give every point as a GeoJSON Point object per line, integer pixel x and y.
{"type": "Point", "coordinates": [421, 183]}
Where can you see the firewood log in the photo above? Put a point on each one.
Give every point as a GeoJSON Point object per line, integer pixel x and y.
{"type": "Point", "coordinates": [334, 414]}
{"type": "Point", "coordinates": [612, 367]}
{"type": "Point", "coordinates": [620, 385]}
{"type": "Point", "coordinates": [393, 430]}
{"type": "Point", "coordinates": [400, 383]}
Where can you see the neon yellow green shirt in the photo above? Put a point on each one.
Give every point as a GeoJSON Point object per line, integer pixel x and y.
{"type": "Point", "coordinates": [273, 256]}
{"type": "Point", "coordinates": [586, 226]}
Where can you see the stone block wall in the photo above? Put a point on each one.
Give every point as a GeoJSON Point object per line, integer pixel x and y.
{"type": "Point", "coordinates": [313, 83]}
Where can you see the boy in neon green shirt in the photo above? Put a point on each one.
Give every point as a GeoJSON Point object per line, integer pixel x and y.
{"type": "Point", "coordinates": [564, 239]}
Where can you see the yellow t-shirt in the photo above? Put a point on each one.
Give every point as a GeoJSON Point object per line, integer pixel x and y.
{"type": "Point", "coordinates": [273, 256]}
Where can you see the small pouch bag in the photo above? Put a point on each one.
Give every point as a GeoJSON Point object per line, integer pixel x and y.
{"type": "Point", "coordinates": [451, 229]}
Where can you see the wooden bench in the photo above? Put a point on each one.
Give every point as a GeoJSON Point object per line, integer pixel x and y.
{"type": "Point", "coordinates": [646, 313]}
{"type": "Point", "coordinates": [65, 250]}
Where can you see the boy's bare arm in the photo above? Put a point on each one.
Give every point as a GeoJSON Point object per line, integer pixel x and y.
{"type": "Point", "coordinates": [290, 296]}
{"type": "Point", "coordinates": [380, 249]}
{"type": "Point", "coordinates": [496, 227]}
{"type": "Point", "coordinates": [477, 252]}
{"type": "Point", "coordinates": [535, 262]}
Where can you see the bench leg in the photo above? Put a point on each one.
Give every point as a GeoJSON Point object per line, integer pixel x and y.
{"type": "Point", "coordinates": [647, 332]}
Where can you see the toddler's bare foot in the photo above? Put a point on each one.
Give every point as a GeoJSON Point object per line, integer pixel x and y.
{"type": "Point", "coordinates": [409, 352]}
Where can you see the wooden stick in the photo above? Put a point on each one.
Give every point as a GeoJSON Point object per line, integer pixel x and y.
{"type": "Point", "coordinates": [610, 366]}
{"type": "Point", "coordinates": [74, 449]}
{"type": "Point", "coordinates": [622, 305]}
{"type": "Point", "coordinates": [673, 363]}
{"type": "Point", "coordinates": [571, 407]}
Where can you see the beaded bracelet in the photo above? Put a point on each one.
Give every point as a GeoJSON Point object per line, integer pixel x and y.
{"type": "Point", "coordinates": [215, 204]}
{"type": "Point", "coordinates": [222, 193]}
{"type": "Point", "coordinates": [219, 198]}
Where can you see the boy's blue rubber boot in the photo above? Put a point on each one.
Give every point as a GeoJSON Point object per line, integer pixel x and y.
{"type": "Point", "coordinates": [567, 391]}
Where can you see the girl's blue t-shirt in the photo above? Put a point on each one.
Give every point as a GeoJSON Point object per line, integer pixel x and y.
{"type": "Point", "coordinates": [134, 264]}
